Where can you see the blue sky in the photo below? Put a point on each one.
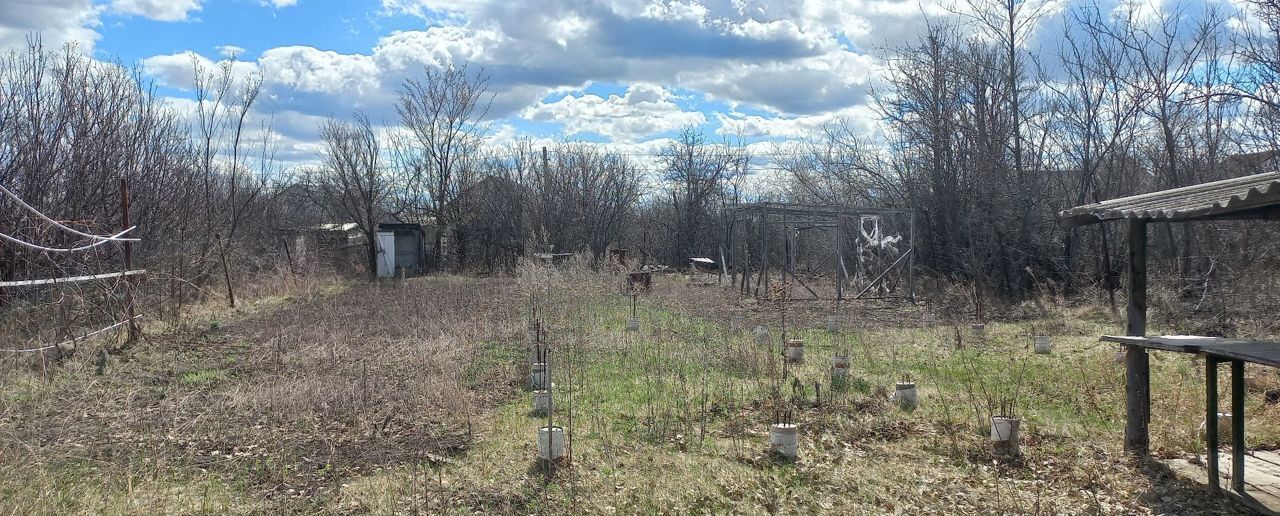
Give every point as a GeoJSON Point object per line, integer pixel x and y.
{"type": "Point", "coordinates": [629, 73]}
{"type": "Point", "coordinates": [625, 72]}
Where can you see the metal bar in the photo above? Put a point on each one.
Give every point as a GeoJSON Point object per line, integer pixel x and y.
{"type": "Point", "coordinates": [882, 274]}
{"type": "Point", "coordinates": [1137, 438]}
{"type": "Point", "coordinates": [911, 262]}
{"type": "Point", "coordinates": [1211, 418]}
{"type": "Point", "coordinates": [744, 258]}
{"type": "Point", "coordinates": [723, 266]}
{"type": "Point", "coordinates": [764, 256]}
{"type": "Point", "coordinates": [1237, 425]}
{"type": "Point", "coordinates": [128, 262]}
{"type": "Point", "coordinates": [72, 279]}
{"type": "Point", "coordinates": [840, 272]}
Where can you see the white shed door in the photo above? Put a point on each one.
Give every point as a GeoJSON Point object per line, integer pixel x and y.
{"type": "Point", "coordinates": [386, 254]}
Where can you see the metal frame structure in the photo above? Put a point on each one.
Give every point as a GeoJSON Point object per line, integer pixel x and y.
{"type": "Point", "coordinates": [757, 230]}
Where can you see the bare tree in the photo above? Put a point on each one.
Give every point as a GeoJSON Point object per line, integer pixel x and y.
{"type": "Point", "coordinates": [71, 128]}
{"type": "Point", "coordinates": [443, 113]}
{"type": "Point", "coordinates": [223, 104]}
{"type": "Point", "coordinates": [1166, 48]}
{"type": "Point", "coordinates": [1095, 109]}
{"type": "Point", "coordinates": [695, 173]}
{"type": "Point", "coordinates": [351, 183]}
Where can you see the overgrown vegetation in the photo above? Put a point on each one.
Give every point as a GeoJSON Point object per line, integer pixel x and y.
{"type": "Point", "coordinates": [408, 396]}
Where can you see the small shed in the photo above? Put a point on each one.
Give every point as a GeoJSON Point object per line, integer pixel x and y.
{"type": "Point", "coordinates": [338, 245]}
{"type": "Point", "coordinates": [1254, 197]}
{"type": "Point", "coordinates": [401, 249]}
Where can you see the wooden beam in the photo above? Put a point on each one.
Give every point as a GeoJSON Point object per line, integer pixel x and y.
{"type": "Point", "coordinates": [1138, 366]}
{"type": "Point", "coordinates": [1237, 425]}
{"type": "Point", "coordinates": [1211, 418]}
{"type": "Point", "coordinates": [1137, 288]}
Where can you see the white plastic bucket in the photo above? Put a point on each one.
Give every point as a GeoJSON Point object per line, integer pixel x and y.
{"type": "Point", "coordinates": [1043, 345]}
{"type": "Point", "coordinates": [783, 440]}
{"type": "Point", "coordinates": [541, 401]}
{"type": "Point", "coordinates": [537, 375]}
{"type": "Point", "coordinates": [553, 448]}
{"type": "Point", "coordinates": [795, 350]}
{"type": "Point", "coordinates": [839, 368]}
{"type": "Point", "coordinates": [1004, 435]}
{"type": "Point", "coordinates": [906, 394]}
{"type": "Point", "coordinates": [633, 324]}
{"type": "Point", "coordinates": [1224, 428]}
{"type": "Point", "coordinates": [761, 335]}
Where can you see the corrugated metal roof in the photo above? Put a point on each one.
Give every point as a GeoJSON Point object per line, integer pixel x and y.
{"type": "Point", "coordinates": [348, 226]}
{"type": "Point", "coordinates": [1229, 196]}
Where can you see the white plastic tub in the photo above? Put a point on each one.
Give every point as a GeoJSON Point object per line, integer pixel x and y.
{"type": "Point", "coordinates": [550, 448]}
{"type": "Point", "coordinates": [1043, 345]}
{"type": "Point", "coordinates": [1004, 435]}
{"type": "Point", "coordinates": [761, 335]}
{"type": "Point", "coordinates": [541, 401]}
{"type": "Point", "coordinates": [795, 350]}
{"type": "Point", "coordinates": [906, 394]}
{"type": "Point", "coordinates": [537, 375]}
{"type": "Point", "coordinates": [1224, 429]}
{"type": "Point", "coordinates": [839, 368]}
{"type": "Point", "coordinates": [784, 440]}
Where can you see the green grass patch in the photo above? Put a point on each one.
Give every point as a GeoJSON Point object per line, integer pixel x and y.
{"type": "Point", "coordinates": [204, 377]}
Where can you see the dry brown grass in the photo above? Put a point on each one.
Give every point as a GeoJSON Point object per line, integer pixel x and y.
{"type": "Point", "coordinates": [281, 401]}
{"type": "Point", "coordinates": [405, 397]}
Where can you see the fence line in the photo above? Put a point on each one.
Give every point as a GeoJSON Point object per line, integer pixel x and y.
{"type": "Point", "coordinates": [74, 339]}
{"type": "Point", "coordinates": [59, 225]}
{"type": "Point", "coordinates": [72, 279]}
{"type": "Point", "coordinates": [68, 249]}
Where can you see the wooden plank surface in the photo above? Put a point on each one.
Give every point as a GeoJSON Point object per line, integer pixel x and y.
{"type": "Point", "coordinates": [1253, 351]}
{"type": "Point", "coordinates": [1150, 342]}
{"type": "Point", "coordinates": [1262, 479]}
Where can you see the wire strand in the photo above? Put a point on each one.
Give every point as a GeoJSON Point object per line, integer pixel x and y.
{"type": "Point", "coordinates": [74, 339]}
{"type": "Point", "coordinates": [65, 249]}
{"type": "Point", "coordinates": [59, 225]}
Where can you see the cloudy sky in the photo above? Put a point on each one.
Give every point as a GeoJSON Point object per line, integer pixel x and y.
{"type": "Point", "coordinates": [626, 72]}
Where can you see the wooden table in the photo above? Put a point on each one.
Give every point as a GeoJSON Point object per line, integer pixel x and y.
{"type": "Point", "coordinates": [1215, 350]}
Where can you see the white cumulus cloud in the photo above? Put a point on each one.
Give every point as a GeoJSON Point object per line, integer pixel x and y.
{"type": "Point", "coordinates": [57, 22]}
{"type": "Point", "coordinates": [160, 10]}
{"type": "Point", "coordinates": [645, 109]}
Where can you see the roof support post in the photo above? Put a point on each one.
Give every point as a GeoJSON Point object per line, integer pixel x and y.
{"type": "Point", "coordinates": [1237, 425]}
{"type": "Point", "coordinates": [1138, 367]}
{"type": "Point", "coordinates": [1211, 418]}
